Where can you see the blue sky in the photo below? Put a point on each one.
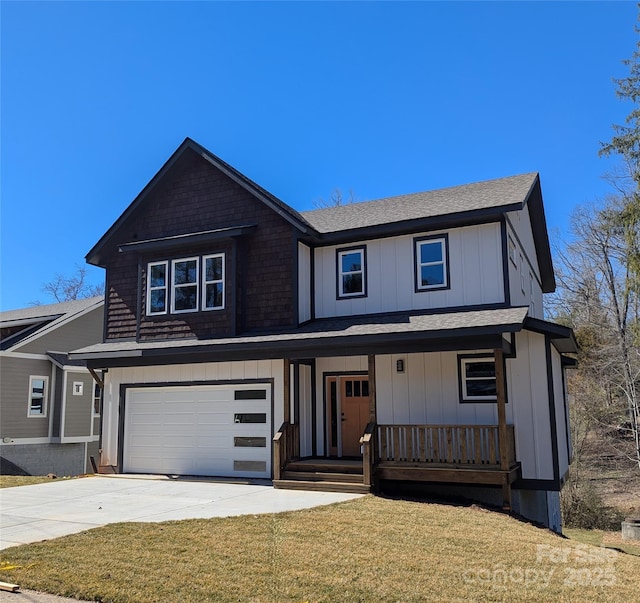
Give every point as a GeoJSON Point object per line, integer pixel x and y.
{"type": "Point", "coordinates": [378, 98]}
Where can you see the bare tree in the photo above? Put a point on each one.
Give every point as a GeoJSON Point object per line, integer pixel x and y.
{"type": "Point", "coordinates": [335, 199]}
{"type": "Point", "coordinates": [69, 287]}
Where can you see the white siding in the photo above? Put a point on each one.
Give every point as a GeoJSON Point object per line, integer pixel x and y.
{"type": "Point", "coordinates": [210, 372]}
{"type": "Point", "coordinates": [519, 230]}
{"type": "Point", "coordinates": [304, 283]}
{"type": "Point", "coordinates": [304, 392]}
{"type": "Point", "coordinates": [529, 406]}
{"type": "Point", "coordinates": [475, 262]}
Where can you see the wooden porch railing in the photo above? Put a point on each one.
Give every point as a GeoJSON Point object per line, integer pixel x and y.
{"type": "Point", "coordinates": [286, 447]}
{"type": "Point", "coordinates": [461, 445]}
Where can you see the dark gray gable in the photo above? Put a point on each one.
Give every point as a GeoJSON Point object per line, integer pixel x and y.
{"type": "Point", "coordinates": [95, 255]}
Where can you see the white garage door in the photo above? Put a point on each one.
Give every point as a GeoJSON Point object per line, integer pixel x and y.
{"type": "Point", "coordinates": [217, 430]}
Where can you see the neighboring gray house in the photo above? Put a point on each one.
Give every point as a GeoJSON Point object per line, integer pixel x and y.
{"type": "Point", "coordinates": [49, 405]}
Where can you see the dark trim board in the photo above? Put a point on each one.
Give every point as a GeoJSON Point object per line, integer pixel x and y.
{"type": "Point", "coordinates": [124, 387]}
{"type": "Point", "coordinates": [552, 410]}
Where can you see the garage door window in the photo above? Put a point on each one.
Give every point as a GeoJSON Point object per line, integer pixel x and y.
{"type": "Point", "coordinates": [249, 442]}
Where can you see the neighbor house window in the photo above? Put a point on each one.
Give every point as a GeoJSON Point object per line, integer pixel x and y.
{"type": "Point", "coordinates": [431, 263]}
{"type": "Point", "coordinates": [38, 387]}
{"type": "Point", "coordinates": [213, 282]}
{"type": "Point", "coordinates": [157, 288]}
{"type": "Point", "coordinates": [522, 274]}
{"type": "Point", "coordinates": [184, 290]}
{"type": "Point", "coordinates": [478, 379]}
{"type": "Point", "coordinates": [351, 272]}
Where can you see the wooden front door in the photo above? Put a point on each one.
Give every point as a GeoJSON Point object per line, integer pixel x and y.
{"type": "Point", "coordinates": [354, 408]}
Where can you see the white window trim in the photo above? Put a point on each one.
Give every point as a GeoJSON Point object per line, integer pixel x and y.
{"type": "Point", "coordinates": [195, 259]}
{"type": "Point", "coordinates": [341, 274]}
{"type": "Point", "coordinates": [45, 397]}
{"type": "Point", "coordinates": [522, 283]}
{"type": "Point", "coordinates": [95, 414]}
{"type": "Point", "coordinates": [164, 263]}
{"type": "Point", "coordinates": [420, 264]}
{"type": "Point", "coordinates": [463, 378]}
{"type": "Point", "coordinates": [205, 282]}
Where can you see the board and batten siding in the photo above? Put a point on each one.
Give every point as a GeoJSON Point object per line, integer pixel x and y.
{"type": "Point", "coordinates": [77, 409]}
{"type": "Point", "coordinates": [78, 333]}
{"type": "Point", "coordinates": [187, 374]}
{"type": "Point", "coordinates": [475, 268]}
{"type": "Point", "coordinates": [519, 231]}
{"type": "Point", "coordinates": [305, 410]}
{"type": "Point", "coordinates": [304, 283]}
{"type": "Point", "coordinates": [14, 393]}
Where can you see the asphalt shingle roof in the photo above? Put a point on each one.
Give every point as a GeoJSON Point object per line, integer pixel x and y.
{"type": "Point", "coordinates": [497, 193]}
{"type": "Point", "coordinates": [48, 311]}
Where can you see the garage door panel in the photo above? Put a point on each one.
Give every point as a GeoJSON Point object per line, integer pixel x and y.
{"type": "Point", "coordinates": [194, 430]}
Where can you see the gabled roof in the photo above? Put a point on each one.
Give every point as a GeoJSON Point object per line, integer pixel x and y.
{"type": "Point", "coordinates": [188, 145]}
{"type": "Point", "coordinates": [38, 320]}
{"type": "Point", "coordinates": [438, 209]}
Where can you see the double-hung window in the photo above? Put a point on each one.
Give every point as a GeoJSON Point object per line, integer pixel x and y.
{"type": "Point", "coordinates": [478, 379]}
{"type": "Point", "coordinates": [157, 287]}
{"type": "Point", "coordinates": [184, 290]}
{"type": "Point", "coordinates": [38, 393]}
{"type": "Point", "coordinates": [352, 272]}
{"type": "Point", "coordinates": [213, 282]}
{"type": "Point", "coordinates": [431, 263]}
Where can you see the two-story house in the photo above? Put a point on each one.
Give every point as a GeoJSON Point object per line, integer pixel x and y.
{"type": "Point", "coordinates": [49, 404]}
{"type": "Point", "coordinates": [343, 348]}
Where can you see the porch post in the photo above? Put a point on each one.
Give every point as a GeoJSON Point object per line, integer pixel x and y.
{"type": "Point", "coordinates": [286, 387]}
{"type": "Point", "coordinates": [501, 399]}
{"type": "Point", "coordinates": [372, 388]}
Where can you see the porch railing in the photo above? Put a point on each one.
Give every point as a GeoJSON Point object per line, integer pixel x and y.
{"type": "Point", "coordinates": [467, 445]}
{"type": "Point", "coordinates": [286, 447]}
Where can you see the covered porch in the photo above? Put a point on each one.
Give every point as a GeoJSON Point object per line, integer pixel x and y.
{"type": "Point", "coordinates": [472, 454]}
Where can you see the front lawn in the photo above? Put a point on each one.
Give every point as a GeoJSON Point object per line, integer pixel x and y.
{"type": "Point", "coordinates": [367, 550]}
{"type": "Point", "coordinates": [10, 481]}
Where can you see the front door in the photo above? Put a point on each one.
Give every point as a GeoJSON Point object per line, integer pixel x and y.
{"type": "Point", "coordinates": [354, 409]}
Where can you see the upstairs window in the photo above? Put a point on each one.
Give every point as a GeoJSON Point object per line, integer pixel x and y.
{"type": "Point", "coordinates": [431, 263]}
{"type": "Point", "coordinates": [157, 288]}
{"type": "Point", "coordinates": [351, 272]}
{"type": "Point", "coordinates": [184, 292]}
{"type": "Point", "coordinates": [213, 282]}
{"type": "Point", "coordinates": [38, 392]}
{"type": "Point", "coordinates": [183, 286]}
{"type": "Point", "coordinates": [478, 379]}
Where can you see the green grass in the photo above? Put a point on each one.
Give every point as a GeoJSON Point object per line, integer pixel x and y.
{"type": "Point", "coordinates": [11, 481]}
{"type": "Point", "coordinates": [612, 540]}
{"type": "Point", "coordinates": [367, 550]}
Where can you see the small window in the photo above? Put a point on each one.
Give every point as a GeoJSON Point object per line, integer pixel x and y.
{"type": "Point", "coordinates": [157, 288]}
{"type": "Point", "coordinates": [97, 397]}
{"type": "Point", "coordinates": [522, 282]}
{"type": "Point", "coordinates": [250, 394]}
{"type": "Point", "coordinates": [431, 264]}
{"type": "Point", "coordinates": [250, 417]}
{"type": "Point", "coordinates": [351, 272]}
{"type": "Point", "coordinates": [249, 442]}
{"type": "Point", "coordinates": [184, 293]}
{"type": "Point", "coordinates": [512, 251]}
{"type": "Point", "coordinates": [38, 393]}
{"type": "Point", "coordinates": [478, 379]}
{"type": "Point", "coordinates": [78, 388]}
{"type": "Point", "coordinates": [213, 282]}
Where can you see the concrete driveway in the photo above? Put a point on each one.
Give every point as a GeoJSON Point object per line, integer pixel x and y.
{"type": "Point", "coordinates": [44, 511]}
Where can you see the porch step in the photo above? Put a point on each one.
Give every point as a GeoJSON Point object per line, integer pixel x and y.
{"type": "Point", "coordinates": [318, 476]}
{"type": "Point", "coordinates": [321, 486]}
{"type": "Point", "coordinates": [326, 466]}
